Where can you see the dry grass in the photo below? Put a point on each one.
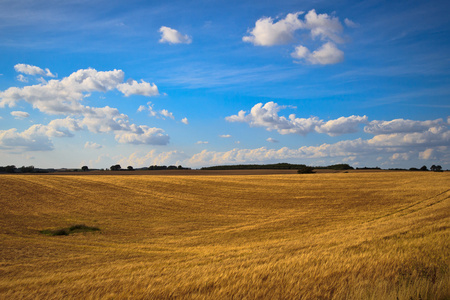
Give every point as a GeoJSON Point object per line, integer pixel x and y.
{"type": "Point", "coordinates": [381, 235]}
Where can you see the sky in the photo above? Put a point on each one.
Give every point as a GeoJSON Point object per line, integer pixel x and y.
{"type": "Point", "coordinates": [203, 83]}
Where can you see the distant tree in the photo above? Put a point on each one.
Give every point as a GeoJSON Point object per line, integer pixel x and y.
{"type": "Point", "coordinates": [435, 168]}
{"type": "Point", "coordinates": [424, 168]}
{"type": "Point", "coordinates": [84, 168]}
{"type": "Point", "coordinates": [10, 169]}
{"type": "Point", "coordinates": [29, 169]}
{"type": "Point", "coordinates": [130, 168]}
{"type": "Point", "coordinates": [305, 170]}
{"type": "Point", "coordinates": [115, 168]}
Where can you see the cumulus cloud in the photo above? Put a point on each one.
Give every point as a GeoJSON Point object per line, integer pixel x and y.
{"type": "Point", "coordinates": [401, 126]}
{"type": "Point", "coordinates": [132, 87]}
{"type": "Point", "coordinates": [20, 114]}
{"type": "Point", "coordinates": [400, 156]}
{"type": "Point", "coordinates": [154, 157]}
{"type": "Point", "coordinates": [202, 142]}
{"type": "Point", "coordinates": [327, 54]}
{"type": "Point", "coordinates": [92, 145]}
{"type": "Point", "coordinates": [22, 78]}
{"type": "Point", "coordinates": [399, 148]}
{"type": "Point", "coordinates": [65, 96]}
{"type": "Point", "coordinates": [161, 114]}
{"type": "Point", "coordinates": [185, 121]}
{"type": "Point", "coordinates": [142, 134]}
{"type": "Point", "coordinates": [172, 36]}
{"type": "Point", "coordinates": [342, 125]}
{"type": "Point", "coordinates": [434, 136]}
{"type": "Point", "coordinates": [38, 136]}
{"type": "Point", "coordinates": [33, 70]}
{"type": "Point", "coordinates": [402, 149]}
{"type": "Point", "coordinates": [267, 33]}
{"type": "Point", "coordinates": [272, 140]}
{"type": "Point", "coordinates": [32, 139]}
{"type": "Point", "coordinates": [267, 116]}
{"type": "Point", "coordinates": [167, 114]}
{"type": "Point", "coordinates": [324, 27]}
{"type": "Point", "coordinates": [225, 136]}
{"type": "Point", "coordinates": [427, 154]}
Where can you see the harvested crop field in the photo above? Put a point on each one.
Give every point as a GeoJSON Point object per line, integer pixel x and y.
{"type": "Point", "coordinates": [380, 235]}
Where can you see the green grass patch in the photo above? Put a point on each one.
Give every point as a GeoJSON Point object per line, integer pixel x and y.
{"type": "Point", "coordinates": [70, 230]}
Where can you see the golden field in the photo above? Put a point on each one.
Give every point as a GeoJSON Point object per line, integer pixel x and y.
{"type": "Point", "coordinates": [381, 235]}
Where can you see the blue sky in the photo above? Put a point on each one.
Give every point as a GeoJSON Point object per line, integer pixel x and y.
{"type": "Point", "coordinates": [202, 83]}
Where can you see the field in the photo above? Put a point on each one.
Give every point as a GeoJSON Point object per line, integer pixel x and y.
{"type": "Point", "coordinates": [367, 235]}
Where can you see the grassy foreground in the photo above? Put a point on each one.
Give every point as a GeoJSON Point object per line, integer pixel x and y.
{"type": "Point", "coordinates": [322, 236]}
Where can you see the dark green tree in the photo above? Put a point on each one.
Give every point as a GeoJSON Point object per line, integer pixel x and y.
{"type": "Point", "coordinates": [10, 169]}
{"type": "Point", "coordinates": [115, 168]}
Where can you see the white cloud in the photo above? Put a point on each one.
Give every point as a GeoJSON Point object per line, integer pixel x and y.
{"type": "Point", "coordinates": [162, 114]}
{"type": "Point", "coordinates": [400, 156]}
{"type": "Point", "coordinates": [272, 140]}
{"type": "Point", "coordinates": [92, 145]}
{"type": "Point", "coordinates": [185, 121]}
{"type": "Point", "coordinates": [435, 136]}
{"type": "Point", "coordinates": [22, 78]}
{"type": "Point", "coordinates": [37, 137]}
{"type": "Point", "coordinates": [225, 136]}
{"type": "Point", "coordinates": [33, 70]}
{"type": "Point", "coordinates": [267, 33]}
{"type": "Point", "coordinates": [344, 149]}
{"type": "Point", "coordinates": [153, 157]}
{"type": "Point", "coordinates": [427, 154]}
{"type": "Point", "coordinates": [142, 134]}
{"type": "Point", "coordinates": [32, 139]}
{"type": "Point", "coordinates": [342, 125]}
{"type": "Point", "coordinates": [132, 87]}
{"type": "Point", "coordinates": [167, 114]}
{"type": "Point", "coordinates": [325, 55]}
{"type": "Point", "coordinates": [267, 116]}
{"type": "Point", "coordinates": [350, 23]}
{"type": "Point", "coordinates": [172, 36]}
{"type": "Point", "coordinates": [324, 26]}
{"type": "Point", "coordinates": [20, 114]}
{"type": "Point", "coordinates": [347, 150]}
{"type": "Point", "coordinates": [400, 126]}
{"type": "Point", "coordinates": [62, 127]}
{"type": "Point", "coordinates": [64, 97]}
{"type": "Point", "coordinates": [202, 142]}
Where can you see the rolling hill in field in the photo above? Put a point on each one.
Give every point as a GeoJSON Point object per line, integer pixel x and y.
{"type": "Point", "coordinates": [383, 235]}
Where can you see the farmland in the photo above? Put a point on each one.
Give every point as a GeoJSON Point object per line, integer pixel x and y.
{"type": "Point", "coordinates": [366, 235]}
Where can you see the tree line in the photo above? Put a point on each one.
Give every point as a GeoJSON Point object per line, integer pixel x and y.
{"type": "Point", "coordinates": [280, 166]}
